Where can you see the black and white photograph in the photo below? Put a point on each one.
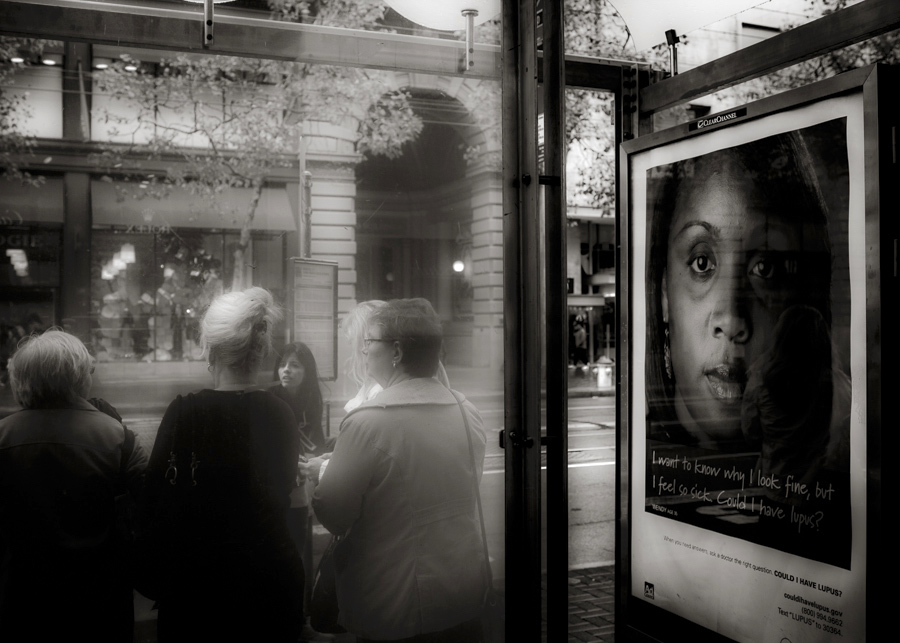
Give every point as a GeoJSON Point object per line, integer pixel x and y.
{"type": "Point", "coordinates": [747, 370]}
{"type": "Point", "coordinates": [448, 321]}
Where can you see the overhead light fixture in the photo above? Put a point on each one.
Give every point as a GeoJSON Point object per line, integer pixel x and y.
{"type": "Point", "coordinates": [52, 60]}
{"type": "Point", "coordinates": [102, 63]}
{"type": "Point", "coordinates": [450, 15]}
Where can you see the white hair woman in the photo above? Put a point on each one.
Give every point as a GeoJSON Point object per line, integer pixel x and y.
{"type": "Point", "coordinates": [356, 329]}
{"type": "Point", "coordinates": [62, 463]}
{"type": "Point", "coordinates": [218, 487]}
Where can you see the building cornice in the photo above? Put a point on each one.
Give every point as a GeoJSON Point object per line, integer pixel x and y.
{"type": "Point", "coordinates": [59, 155]}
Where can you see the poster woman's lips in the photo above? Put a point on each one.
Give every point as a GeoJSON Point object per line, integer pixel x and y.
{"type": "Point", "coordinates": [727, 381]}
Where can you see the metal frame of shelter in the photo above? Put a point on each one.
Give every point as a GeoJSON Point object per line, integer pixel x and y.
{"type": "Point", "coordinates": [533, 236]}
{"type": "Point", "coordinates": [881, 95]}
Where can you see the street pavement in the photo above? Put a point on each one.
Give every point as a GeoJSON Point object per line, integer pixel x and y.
{"type": "Point", "coordinates": [591, 610]}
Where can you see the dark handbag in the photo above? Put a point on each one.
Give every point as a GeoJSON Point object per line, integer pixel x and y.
{"type": "Point", "coordinates": [323, 606]}
{"type": "Point", "coordinates": [493, 616]}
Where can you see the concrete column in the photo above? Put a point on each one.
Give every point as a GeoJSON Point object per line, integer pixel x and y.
{"type": "Point", "coordinates": [75, 299]}
{"type": "Point", "coordinates": [487, 268]}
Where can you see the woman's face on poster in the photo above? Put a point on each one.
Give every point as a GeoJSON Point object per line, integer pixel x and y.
{"type": "Point", "coordinates": [731, 268]}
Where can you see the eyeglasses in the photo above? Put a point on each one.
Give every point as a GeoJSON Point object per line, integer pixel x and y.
{"type": "Point", "coordinates": [369, 340]}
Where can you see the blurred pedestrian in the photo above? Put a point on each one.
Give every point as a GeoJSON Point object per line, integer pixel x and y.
{"type": "Point", "coordinates": [63, 462]}
{"type": "Point", "coordinates": [218, 489]}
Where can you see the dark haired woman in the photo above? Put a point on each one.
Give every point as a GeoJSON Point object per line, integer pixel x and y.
{"type": "Point", "coordinates": [298, 385]}
{"type": "Point", "coordinates": [218, 488]}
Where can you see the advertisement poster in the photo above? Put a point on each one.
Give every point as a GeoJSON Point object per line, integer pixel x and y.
{"type": "Point", "coordinates": [748, 492]}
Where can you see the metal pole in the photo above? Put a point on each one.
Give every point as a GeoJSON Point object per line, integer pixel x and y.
{"type": "Point", "coordinates": [556, 323]}
{"type": "Point", "coordinates": [469, 15]}
{"type": "Point", "coordinates": [306, 216]}
{"type": "Point", "coordinates": [208, 16]}
{"type": "Point", "coordinates": [522, 332]}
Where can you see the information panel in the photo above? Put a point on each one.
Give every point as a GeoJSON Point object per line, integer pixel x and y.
{"type": "Point", "coordinates": [314, 311]}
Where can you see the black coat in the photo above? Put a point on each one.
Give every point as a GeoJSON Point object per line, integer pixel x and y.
{"type": "Point", "coordinates": [59, 574]}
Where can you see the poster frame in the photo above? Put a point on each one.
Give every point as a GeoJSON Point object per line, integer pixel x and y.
{"type": "Point", "coordinates": [296, 334]}
{"type": "Point", "coordinates": [638, 619]}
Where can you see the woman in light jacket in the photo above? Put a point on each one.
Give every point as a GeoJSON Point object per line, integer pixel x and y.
{"type": "Point", "coordinates": [400, 489]}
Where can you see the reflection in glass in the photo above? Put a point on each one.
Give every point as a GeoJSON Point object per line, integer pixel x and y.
{"type": "Point", "coordinates": [178, 178]}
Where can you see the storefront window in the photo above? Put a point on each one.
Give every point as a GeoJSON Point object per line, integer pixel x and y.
{"type": "Point", "coordinates": [149, 291]}
{"type": "Point", "coordinates": [30, 256]}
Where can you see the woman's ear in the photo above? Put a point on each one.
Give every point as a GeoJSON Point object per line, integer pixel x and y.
{"type": "Point", "coordinates": [665, 299]}
{"type": "Point", "coordinates": [396, 353]}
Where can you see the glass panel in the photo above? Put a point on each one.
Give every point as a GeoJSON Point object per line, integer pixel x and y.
{"type": "Point", "coordinates": [590, 272]}
{"type": "Point", "coordinates": [179, 178]}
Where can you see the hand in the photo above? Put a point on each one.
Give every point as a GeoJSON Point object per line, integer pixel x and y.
{"type": "Point", "coordinates": [309, 469]}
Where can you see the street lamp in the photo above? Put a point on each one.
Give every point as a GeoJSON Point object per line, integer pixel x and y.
{"type": "Point", "coordinates": [449, 15]}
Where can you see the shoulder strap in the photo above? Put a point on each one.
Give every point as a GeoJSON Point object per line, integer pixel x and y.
{"type": "Point", "coordinates": [192, 418]}
{"type": "Point", "coordinates": [487, 560]}
{"type": "Point", "coordinates": [127, 450]}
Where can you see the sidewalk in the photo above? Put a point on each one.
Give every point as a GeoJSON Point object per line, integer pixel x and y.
{"type": "Point", "coordinates": [592, 602]}
{"type": "Point", "coordinates": [591, 610]}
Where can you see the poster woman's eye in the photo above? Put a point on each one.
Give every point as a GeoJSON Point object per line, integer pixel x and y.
{"type": "Point", "coordinates": [764, 269]}
{"type": "Point", "coordinates": [701, 264]}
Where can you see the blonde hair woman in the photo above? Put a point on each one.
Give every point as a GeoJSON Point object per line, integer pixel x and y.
{"type": "Point", "coordinates": [219, 482]}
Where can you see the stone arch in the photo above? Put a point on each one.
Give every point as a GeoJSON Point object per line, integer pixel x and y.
{"type": "Point", "coordinates": [479, 98]}
{"type": "Point", "coordinates": [460, 217]}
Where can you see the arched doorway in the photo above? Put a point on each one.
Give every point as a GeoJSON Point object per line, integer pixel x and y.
{"type": "Point", "coordinates": [415, 217]}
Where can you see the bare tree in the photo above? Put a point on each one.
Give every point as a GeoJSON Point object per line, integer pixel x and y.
{"type": "Point", "coordinates": [231, 121]}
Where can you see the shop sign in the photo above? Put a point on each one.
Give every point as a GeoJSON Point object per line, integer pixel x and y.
{"type": "Point", "coordinates": [41, 245]}
{"type": "Point", "coordinates": [147, 228]}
